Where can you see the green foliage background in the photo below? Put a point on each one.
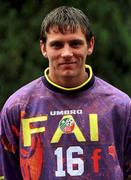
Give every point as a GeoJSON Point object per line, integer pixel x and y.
{"type": "Point", "coordinates": [20, 57]}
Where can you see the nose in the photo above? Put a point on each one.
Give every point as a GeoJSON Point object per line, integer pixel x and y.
{"type": "Point", "coordinates": [66, 51]}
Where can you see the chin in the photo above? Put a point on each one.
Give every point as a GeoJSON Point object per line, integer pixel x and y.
{"type": "Point", "coordinates": [68, 74]}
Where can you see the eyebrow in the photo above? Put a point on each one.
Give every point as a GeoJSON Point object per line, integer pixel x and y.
{"type": "Point", "coordinates": [54, 42]}
{"type": "Point", "coordinates": [79, 41]}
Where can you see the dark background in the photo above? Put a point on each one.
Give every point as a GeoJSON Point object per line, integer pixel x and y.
{"type": "Point", "coordinates": [20, 57]}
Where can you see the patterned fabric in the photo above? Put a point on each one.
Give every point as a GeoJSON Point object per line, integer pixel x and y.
{"type": "Point", "coordinates": [48, 133]}
{"type": "Point", "coordinates": [1, 172]}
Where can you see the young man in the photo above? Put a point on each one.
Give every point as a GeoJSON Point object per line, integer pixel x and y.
{"type": "Point", "coordinates": [67, 124]}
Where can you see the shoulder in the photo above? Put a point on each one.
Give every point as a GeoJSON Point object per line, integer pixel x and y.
{"type": "Point", "coordinates": [22, 95]}
{"type": "Point", "coordinates": [108, 88]}
{"type": "Point", "coordinates": [110, 94]}
{"type": "Point", "coordinates": [113, 99]}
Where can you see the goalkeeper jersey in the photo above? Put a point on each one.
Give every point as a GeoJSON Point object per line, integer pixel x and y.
{"type": "Point", "coordinates": [49, 132]}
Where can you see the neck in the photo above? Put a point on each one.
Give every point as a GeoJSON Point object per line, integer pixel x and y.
{"type": "Point", "coordinates": [69, 82]}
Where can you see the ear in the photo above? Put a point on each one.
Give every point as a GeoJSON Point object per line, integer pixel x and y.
{"type": "Point", "coordinates": [91, 46]}
{"type": "Point", "coordinates": [43, 48]}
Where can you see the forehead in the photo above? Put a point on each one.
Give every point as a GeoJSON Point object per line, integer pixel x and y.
{"type": "Point", "coordinates": [55, 34]}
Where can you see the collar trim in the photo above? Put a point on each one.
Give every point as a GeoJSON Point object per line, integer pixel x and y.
{"type": "Point", "coordinates": [57, 88]}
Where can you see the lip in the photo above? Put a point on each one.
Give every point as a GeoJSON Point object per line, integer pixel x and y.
{"type": "Point", "coordinates": [67, 63]}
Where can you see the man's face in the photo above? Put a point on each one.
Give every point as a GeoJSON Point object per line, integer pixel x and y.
{"type": "Point", "coordinates": [66, 54]}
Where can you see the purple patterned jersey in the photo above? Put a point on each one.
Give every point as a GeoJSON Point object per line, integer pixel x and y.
{"type": "Point", "coordinates": [49, 132]}
{"type": "Point", "coordinates": [1, 172]}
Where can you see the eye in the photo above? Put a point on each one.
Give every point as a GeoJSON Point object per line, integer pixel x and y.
{"type": "Point", "coordinates": [76, 43]}
{"type": "Point", "coordinates": [56, 44]}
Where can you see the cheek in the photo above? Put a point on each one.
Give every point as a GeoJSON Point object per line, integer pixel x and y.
{"type": "Point", "coordinates": [81, 55]}
{"type": "Point", "coordinates": [53, 59]}
{"type": "Point", "coordinates": [52, 55]}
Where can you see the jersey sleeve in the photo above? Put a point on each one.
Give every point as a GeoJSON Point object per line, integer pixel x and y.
{"type": "Point", "coordinates": [9, 141]}
{"type": "Point", "coordinates": [1, 171]}
{"type": "Point", "coordinates": [127, 152]}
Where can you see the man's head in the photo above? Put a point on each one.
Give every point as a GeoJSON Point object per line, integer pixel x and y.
{"type": "Point", "coordinates": [66, 19]}
{"type": "Point", "coordinates": [66, 41]}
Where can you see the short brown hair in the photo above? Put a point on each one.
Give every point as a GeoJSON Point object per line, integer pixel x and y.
{"type": "Point", "coordinates": [66, 18]}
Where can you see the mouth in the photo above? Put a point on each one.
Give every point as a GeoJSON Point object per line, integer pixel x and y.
{"type": "Point", "coordinates": [67, 63]}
